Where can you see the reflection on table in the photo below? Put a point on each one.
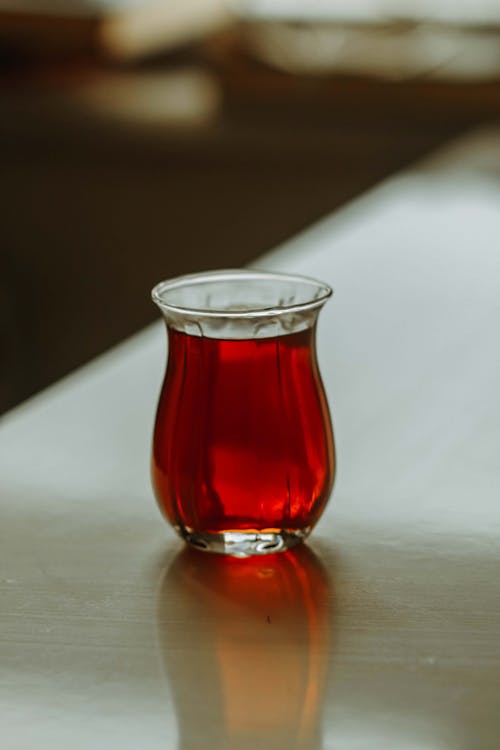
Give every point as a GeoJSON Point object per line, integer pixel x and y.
{"type": "Point", "coordinates": [244, 647]}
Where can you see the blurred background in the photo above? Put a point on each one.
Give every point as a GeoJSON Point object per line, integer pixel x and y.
{"type": "Point", "coordinates": [141, 139]}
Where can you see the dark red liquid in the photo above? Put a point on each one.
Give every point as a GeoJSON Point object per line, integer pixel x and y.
{"type": "Point", "coordinates": [243, 438]}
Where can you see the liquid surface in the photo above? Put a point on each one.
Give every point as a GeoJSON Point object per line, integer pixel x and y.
{"type": "Point", "coordinates": [243, 438]}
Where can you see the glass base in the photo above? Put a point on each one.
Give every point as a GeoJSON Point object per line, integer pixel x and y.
{"type": "Point", "coordinates": [244, 543]}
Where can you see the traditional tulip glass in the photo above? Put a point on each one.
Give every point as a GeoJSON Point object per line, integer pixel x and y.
{"type": "Point", "coordinates": [243, 453]}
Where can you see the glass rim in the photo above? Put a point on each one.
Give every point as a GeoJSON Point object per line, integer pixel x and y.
{"type": "Point", "coordinates": [228, 274]}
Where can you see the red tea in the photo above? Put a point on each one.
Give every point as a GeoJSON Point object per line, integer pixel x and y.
{"type": "Point", "coordinates": [243, 439]}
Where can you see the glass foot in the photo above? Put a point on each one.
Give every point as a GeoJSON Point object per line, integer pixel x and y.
{"type": "Point", "coordinates": [244, 543]}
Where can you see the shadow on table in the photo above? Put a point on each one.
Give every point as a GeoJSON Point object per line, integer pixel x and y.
{"type": "Point", "coordinates": [245, 644]}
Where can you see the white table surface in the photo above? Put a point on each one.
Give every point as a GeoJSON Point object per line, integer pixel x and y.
{"type": "Point", "coordinates": [111, 637]}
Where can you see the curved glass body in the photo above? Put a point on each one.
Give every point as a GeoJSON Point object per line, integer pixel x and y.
{"type": "Point", "coordinates": [243, 455]}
